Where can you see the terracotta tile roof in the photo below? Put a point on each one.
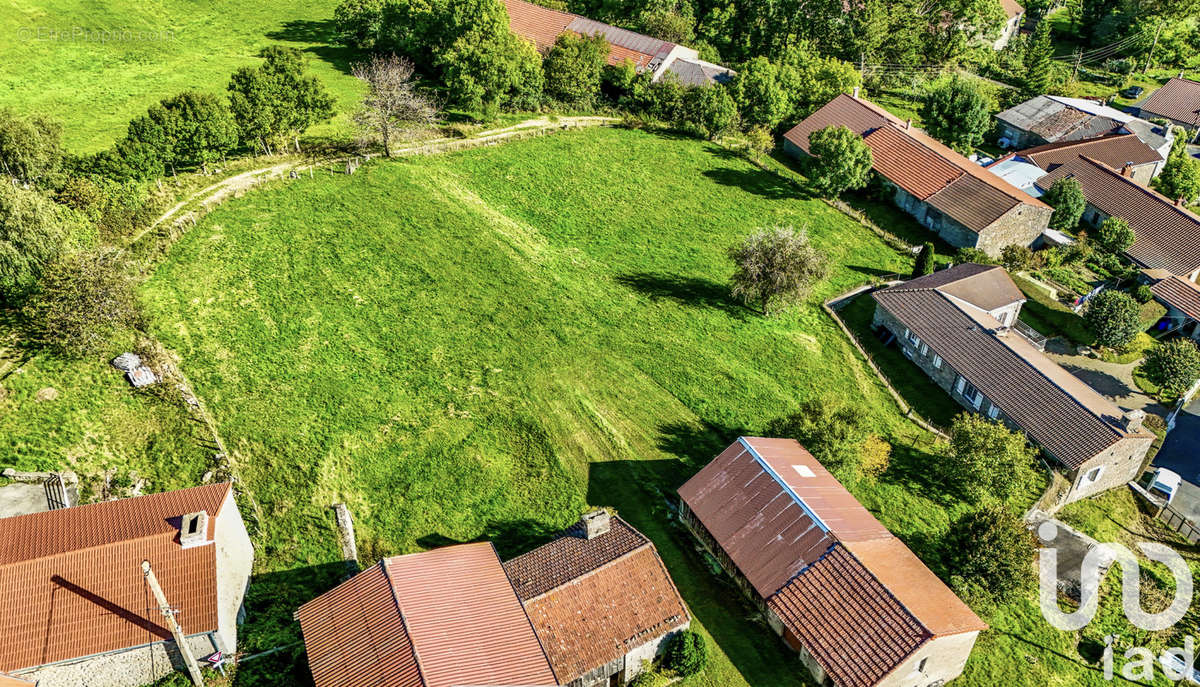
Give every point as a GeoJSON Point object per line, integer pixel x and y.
{"type": "Point", "coordinates": [610, 605]}
{"type": "Point", "coordinates": [984, 286]}
{"type": "Point", "coordinates": [72, 578]}
{"type": "Point", "coordinates": [539, 25]}
{"type": "Point", "coordinates": [1167, 236]}
{"type": "Point", "coordinates": [1060, 413]}
{"type": "Point", "coordinates": [909, 164]}
{"type": "Point", "coordinates": [353, 635]}
{"type": "Point", "coordinates": [543, 26]}
{"type": "Point", "coordinates": [462, 618]}
{"type": "Point", "coordinates": [848, 620]}
{"type": "Point", "coordinates": [973, 203]}
{"type": "Point", "coordinates": [1011, 8]}
{"type": "Point", "coordinates": [569, 556]}
{"type": "Point", "coordinates": [1113, 151]}
{"type": "Point", "coordinates": [795, 532]}
{"type": "Point", "coordinates": [860, 116]}
{"type": "Point", "coordinates": [10, 681]}
{"type": "Point", "coordinates": [1178, 99]}
{"type": "Point", "coordinates": [1179, 293]}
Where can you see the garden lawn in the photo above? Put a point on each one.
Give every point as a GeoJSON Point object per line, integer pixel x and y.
{"type": "Point", "coordinates": [52, 60]}
{"type": "Point", "coordinates": [484, 344]}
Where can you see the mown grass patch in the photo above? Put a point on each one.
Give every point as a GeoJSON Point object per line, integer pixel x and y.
{"type": "Point", "coordinates": [1050, 317]}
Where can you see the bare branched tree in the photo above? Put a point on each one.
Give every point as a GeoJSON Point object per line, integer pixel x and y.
{"type": "Point", "coordinates": [393, 108]}
{"type": "Point", "coordinates": [776, 268]}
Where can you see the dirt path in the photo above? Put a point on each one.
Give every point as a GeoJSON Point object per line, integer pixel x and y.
{"type": "Point", "coordinates": [214, 194]}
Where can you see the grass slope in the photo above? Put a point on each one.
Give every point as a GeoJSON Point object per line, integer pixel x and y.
{"type": "Point", "coordinates": [54, 61]}
{"type": "Point", "coordinates": [480, 345]}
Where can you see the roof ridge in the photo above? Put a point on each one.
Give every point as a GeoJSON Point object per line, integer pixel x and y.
{"type": "Point", "coordinates": [888, 589]}
{"type": "Point", "coordinates": [383, 567]}
{"type": "Point", "coordinates": [1007, 346]}
{"type": "Point", "coordinates": [587, 573]}
{"type": "Point", "coordinates": [1144, 189]}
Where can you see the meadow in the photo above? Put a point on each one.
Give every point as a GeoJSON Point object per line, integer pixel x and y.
{"type": "Point", "coordinates": [481, 345]}
{"type": "Point", "coordinates": [95, 66]}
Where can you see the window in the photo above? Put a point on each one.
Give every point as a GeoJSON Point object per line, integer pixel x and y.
{"type": "Point", "coordinates": [924, 348]}
{"type": "Point", "coordinates": [916, 340]}
{"type": "Point", "coordinates": [1004, 318]}
{"type": "Point", "coordinates": [921, 665]}
{"type": "Point", "coordinates": [937, 361]}
{"type": "Point", "coordinates": [1093, 475]}
{"type": "Point", "coordinates": [993, 411]}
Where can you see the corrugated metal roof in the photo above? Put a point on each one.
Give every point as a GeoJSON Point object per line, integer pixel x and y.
{"type": "Point", "coordinates": [72, 581]}
{"type": "Point", "coordinates": [1167, 236]}
{"type": "Point", "coordinates": [1178, 99]}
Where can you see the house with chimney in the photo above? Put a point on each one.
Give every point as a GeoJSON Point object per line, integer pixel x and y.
{"type": "Point", "coordinates": [957, 325]}
{"type": "Point", "coordinates": [663, 59]}
{"type": "Point", "coordinates": [600, 600]}
{"type": "Point", "coordinates": [584, 610]}
{"type": "Point", "coordinates": [1178, 102]}
{"type": "Point", "coordinates": [1181, 298]}
{"type": "Point", "coordinates": [76, 606]}
{"type": "Point", "coordinates": [1125, 152]}
{"type": "Point", "coordinates": [851, 599]}
{"type": "Point", "coordinates": [1167, 234]}
{"type": "Point", "coordinates": [1047, 119]}
{"type": "Point", "coordinates": [963, 203]}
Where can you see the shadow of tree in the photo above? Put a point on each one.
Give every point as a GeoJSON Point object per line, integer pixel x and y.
{"type": "Point", "coordinates": [696, 445]}
{"type": "Point", "coordinates": [756, 181]}
{"type": "Point", "coordinates": [1103, 382]}
{"type": "Point", "coordinates": [694, 291]}
{"type": "Point", "coordinates": [875, 271]}
{"type": "Point", "coordinates": [323, 33]}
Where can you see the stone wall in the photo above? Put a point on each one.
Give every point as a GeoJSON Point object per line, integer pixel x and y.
{"type": "Point", "coordinates": [951, 231]}
{"type": "Point", "coordinates": [1020, 139]}
{"type": "Point", "coordinates": [629, 666]}
{"type": "Point", "coordinates": [1119, 464]}
{"type": "Point", "coordinates": [1022, 225]}
{"type": "Point", "coordinates": [130, 668]}
{"type": "Point", "coordinates": [944, 659]}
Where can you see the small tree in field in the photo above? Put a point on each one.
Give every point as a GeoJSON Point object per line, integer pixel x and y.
{"type": "Point", "coordinates": [1115, 235]}
{"type": "Point", "coordinates": [832, 431]}
{"type": "Point", "coordinates": [82, 301]}
{"type": "Point", "coordinates": [988, 459]}
{"type": "Point", "coordinates": [1112, 316]}
{"type": "Point", "coordinates": [1173, 366]}
{"type": "Point", "coordinates": [1066, 197]}
{"type": "Point", "coordinates": [840, 160]}
{"type": "Point", "coordinates": [392, 108]}
{"type": "Point", "coordinates": [776, 268]}
{"type": "Point", "coordinates": [924, 260]}
{"type": "Point", "coordinates": [686, 653]}
{"type": "Point", "coordinates": [989, 551]}
{"type": "Point", "coordinates": [710, 110]}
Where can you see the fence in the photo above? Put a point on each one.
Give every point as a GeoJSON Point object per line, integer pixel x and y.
{"type": "Point", "coordinates": [1177, 522]}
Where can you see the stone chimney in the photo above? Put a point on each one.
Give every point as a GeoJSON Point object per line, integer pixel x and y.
{"type": "Point", "coordinates": [595, 523]}
{"type": "Point", "coordinates": [193, 529]}
{"type": "Point", "coordinates": [856, 92]}
{"type": "Point", "coordinates": [1127, 169]}
{"type": "Point", "coordinates": [908, 124]}
{"type": "Point", "coordinates": [1131, 421]}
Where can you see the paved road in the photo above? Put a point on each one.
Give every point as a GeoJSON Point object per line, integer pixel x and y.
{"type": "Point", "coordinates": [1181, 453]}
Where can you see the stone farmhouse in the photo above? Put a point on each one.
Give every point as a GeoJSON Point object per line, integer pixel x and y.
{"type": "Point", "coordinates": [962, 202]}
{"type": "Point", "coordinates": [76, 605]}
{"type": "Point", "coordinates": [1167, 235]}
{"type": "Point", "coordinates": [1178, 101]}
{"type": "Point", "coordinates": [542, 26]}
{"type": "Point", "coordinates": [856, 604]}
{"type": "Point", "coordinates": [600, 599]}
{"type": "Point", "coordinates": [583, 610]}
{"type": "Point", "coordinates": [1055, 119]}
{"type": "Point", "coordinates": [1125, 152]}
{"type": "Point", "coordinates": [1014, 14]}
{"type": "Point", "coordinates": [957, 326]}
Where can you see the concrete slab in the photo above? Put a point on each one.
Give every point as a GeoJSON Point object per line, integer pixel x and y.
{"type": "Point", "coordinates": [1071, 547]}
{"type": "Point", "coordinates": [20, 498]}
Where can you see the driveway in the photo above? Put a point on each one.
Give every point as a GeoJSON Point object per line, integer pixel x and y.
{"type": "Point", "coordinates": [1113, 380]}
{"type": "Point", "coordinates": [1181, 453]}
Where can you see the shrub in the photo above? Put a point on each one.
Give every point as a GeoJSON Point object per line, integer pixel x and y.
{"type": "Point", "coordinates": [775, 268]}
{"type": "Point", "coordinates": [1143, 294]}
{"type": "Point", "coordinates": [759, 142]}
{"type": "Point", "coordinates": [876, 456]}
{"type": "Point", "coordinates": [83, 301]}
{"type": "Point", "coordinates": [1115, 235]}
{"type": "Point", "coordinates": [686, 654]}
{"type": "Point", "coordinates": [988, 551]}
{"type": "Point", "coordinates": [925, 262]}
{"type": "Point", "coordinates": [30, 147]}
{"type": "Point", "coordinates": [1016, 258]}
{"type": "Point", "coordinates": [1174, 366]}
{"type": "Point", "coordinates": [839, 161]}
{"type": "Point", "coordinates": [835, 433]}
{"type": "Point", "coordinates": [1067, 199]}
{"type": "Point", "coordinates": [973, 255]}
{"type": "Point", "coordinates": [34, 231]}
{"type": "Point", "coordinates": [987, 458]}
{"type": "Point", "coordinates": [1112, 317]}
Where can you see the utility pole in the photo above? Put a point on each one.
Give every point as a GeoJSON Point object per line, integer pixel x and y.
{"type": "Point", "coordinates": [1078, 58]}
{"type": "Point", "coordinates": [1149, 55]}
{"type": "Point", "coordinates": [177, 631]}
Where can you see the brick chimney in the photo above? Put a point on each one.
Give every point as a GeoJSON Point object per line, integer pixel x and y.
{"type": "Point", "coordinates": [193, 530]}
{"type": "Point", "coordinates": [1131, 421]}
{"type": "Point", "coordinates": [595, 523]}
{"type": "Point", "coordinates": [1127, 169]}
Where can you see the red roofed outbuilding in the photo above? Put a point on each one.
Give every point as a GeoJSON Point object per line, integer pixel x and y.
{"type": "Point", "coordinates": [860, 608]}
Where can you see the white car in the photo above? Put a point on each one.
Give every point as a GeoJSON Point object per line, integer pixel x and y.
{"type": "Point", "coordinates": [1165, 483]}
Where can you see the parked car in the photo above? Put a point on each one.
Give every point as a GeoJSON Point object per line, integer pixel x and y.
{"type": "Point", "coordinates": [1165, 484]}
{"type": "Point", "coordinates": [1133, 92]}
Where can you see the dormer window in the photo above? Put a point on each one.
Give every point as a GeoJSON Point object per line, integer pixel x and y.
{"type": "Point", "coordinates": [193, 529]}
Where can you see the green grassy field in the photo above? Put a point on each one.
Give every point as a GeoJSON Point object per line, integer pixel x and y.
{"type": "Point", "coordinates": [481, 345]}
{"type": "Point", "coordinates": [55, 60]}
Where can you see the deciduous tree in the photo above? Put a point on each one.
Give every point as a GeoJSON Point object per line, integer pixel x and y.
{"type": "Point", "coordinates": [1174, 366]}
{"type": "Point", "coordinates": [392, 108]}
{"type": "Point", "coordinates": [989, 551]}
{"type": "Point", "coordinates": [276, 100]}
{"type": "Point", "coordinates": [839, 160]}
{"type": "Point", "coordinates": [1180, 177]}
{"type": "Point", "coordinates": [958, 113]}
{"type": "Point", "coordinates": [1112, 316]}
{"type": "Point", "coordinates": [710, 110]}
{"type": "Point", "coordinates": [573, 67]}
{"type": "Point", "coordinates": [34, 231]}
{"type": "Point", "coordinates": [1066, 197]}
{"type": "Point", "coordinates": [186, 130]}
{"type": "Point", "coordinates": [987, 459]}
{"type": "Point", "coordinates": [30, 147]}
{"type": "Point", "coordinates": [775, 268]}
{"type": "Point", "coordinates": [1115, 235]}
{"type": "Point", "coordinates": [760, 96]}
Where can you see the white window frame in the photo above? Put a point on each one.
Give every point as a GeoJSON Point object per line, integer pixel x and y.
{"type": "Point", "coordinates": [924, 348]}
{"type": "Point", "coordinates": [937, 361]}
{"type": "Point", "coordinates": [993, 411]}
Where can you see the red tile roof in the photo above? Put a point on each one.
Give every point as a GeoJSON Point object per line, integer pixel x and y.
{"type": "Point", "coordinates": [1178, 99]}
{"type": "Point", "coordinates": [446, 617]}
{"type": "Point", "coordinates": [1011, 8]}
{"type": "Point", "coordinates": [1066, 417]}
{"type": "Point", "coordinates": [908, 164]}
{"type": "Point", "coordinates": [72, 578]}
{"type": "Point", "coordinates": [543, 26]}
{"type": "Point", "coordinates": [860, 116]}
{"type": "Point", "coordinates": [1113, 151]}
{"type": "Point", "coordinates": [1179, 293]}
{"type": "Point", "coordinates": [1167, 236]}
{"type": "Point", "coordinates": [857, 598]}
{"type": "Point", "coordinates": [613, 600]}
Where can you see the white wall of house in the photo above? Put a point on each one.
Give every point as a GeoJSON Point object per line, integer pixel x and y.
{"type": "Point", "coordinates": [235, 559]}
{"type": "Point", "coordinates": [937, 661]}
{"type": "Point", "coordinates": [1007, 33]}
